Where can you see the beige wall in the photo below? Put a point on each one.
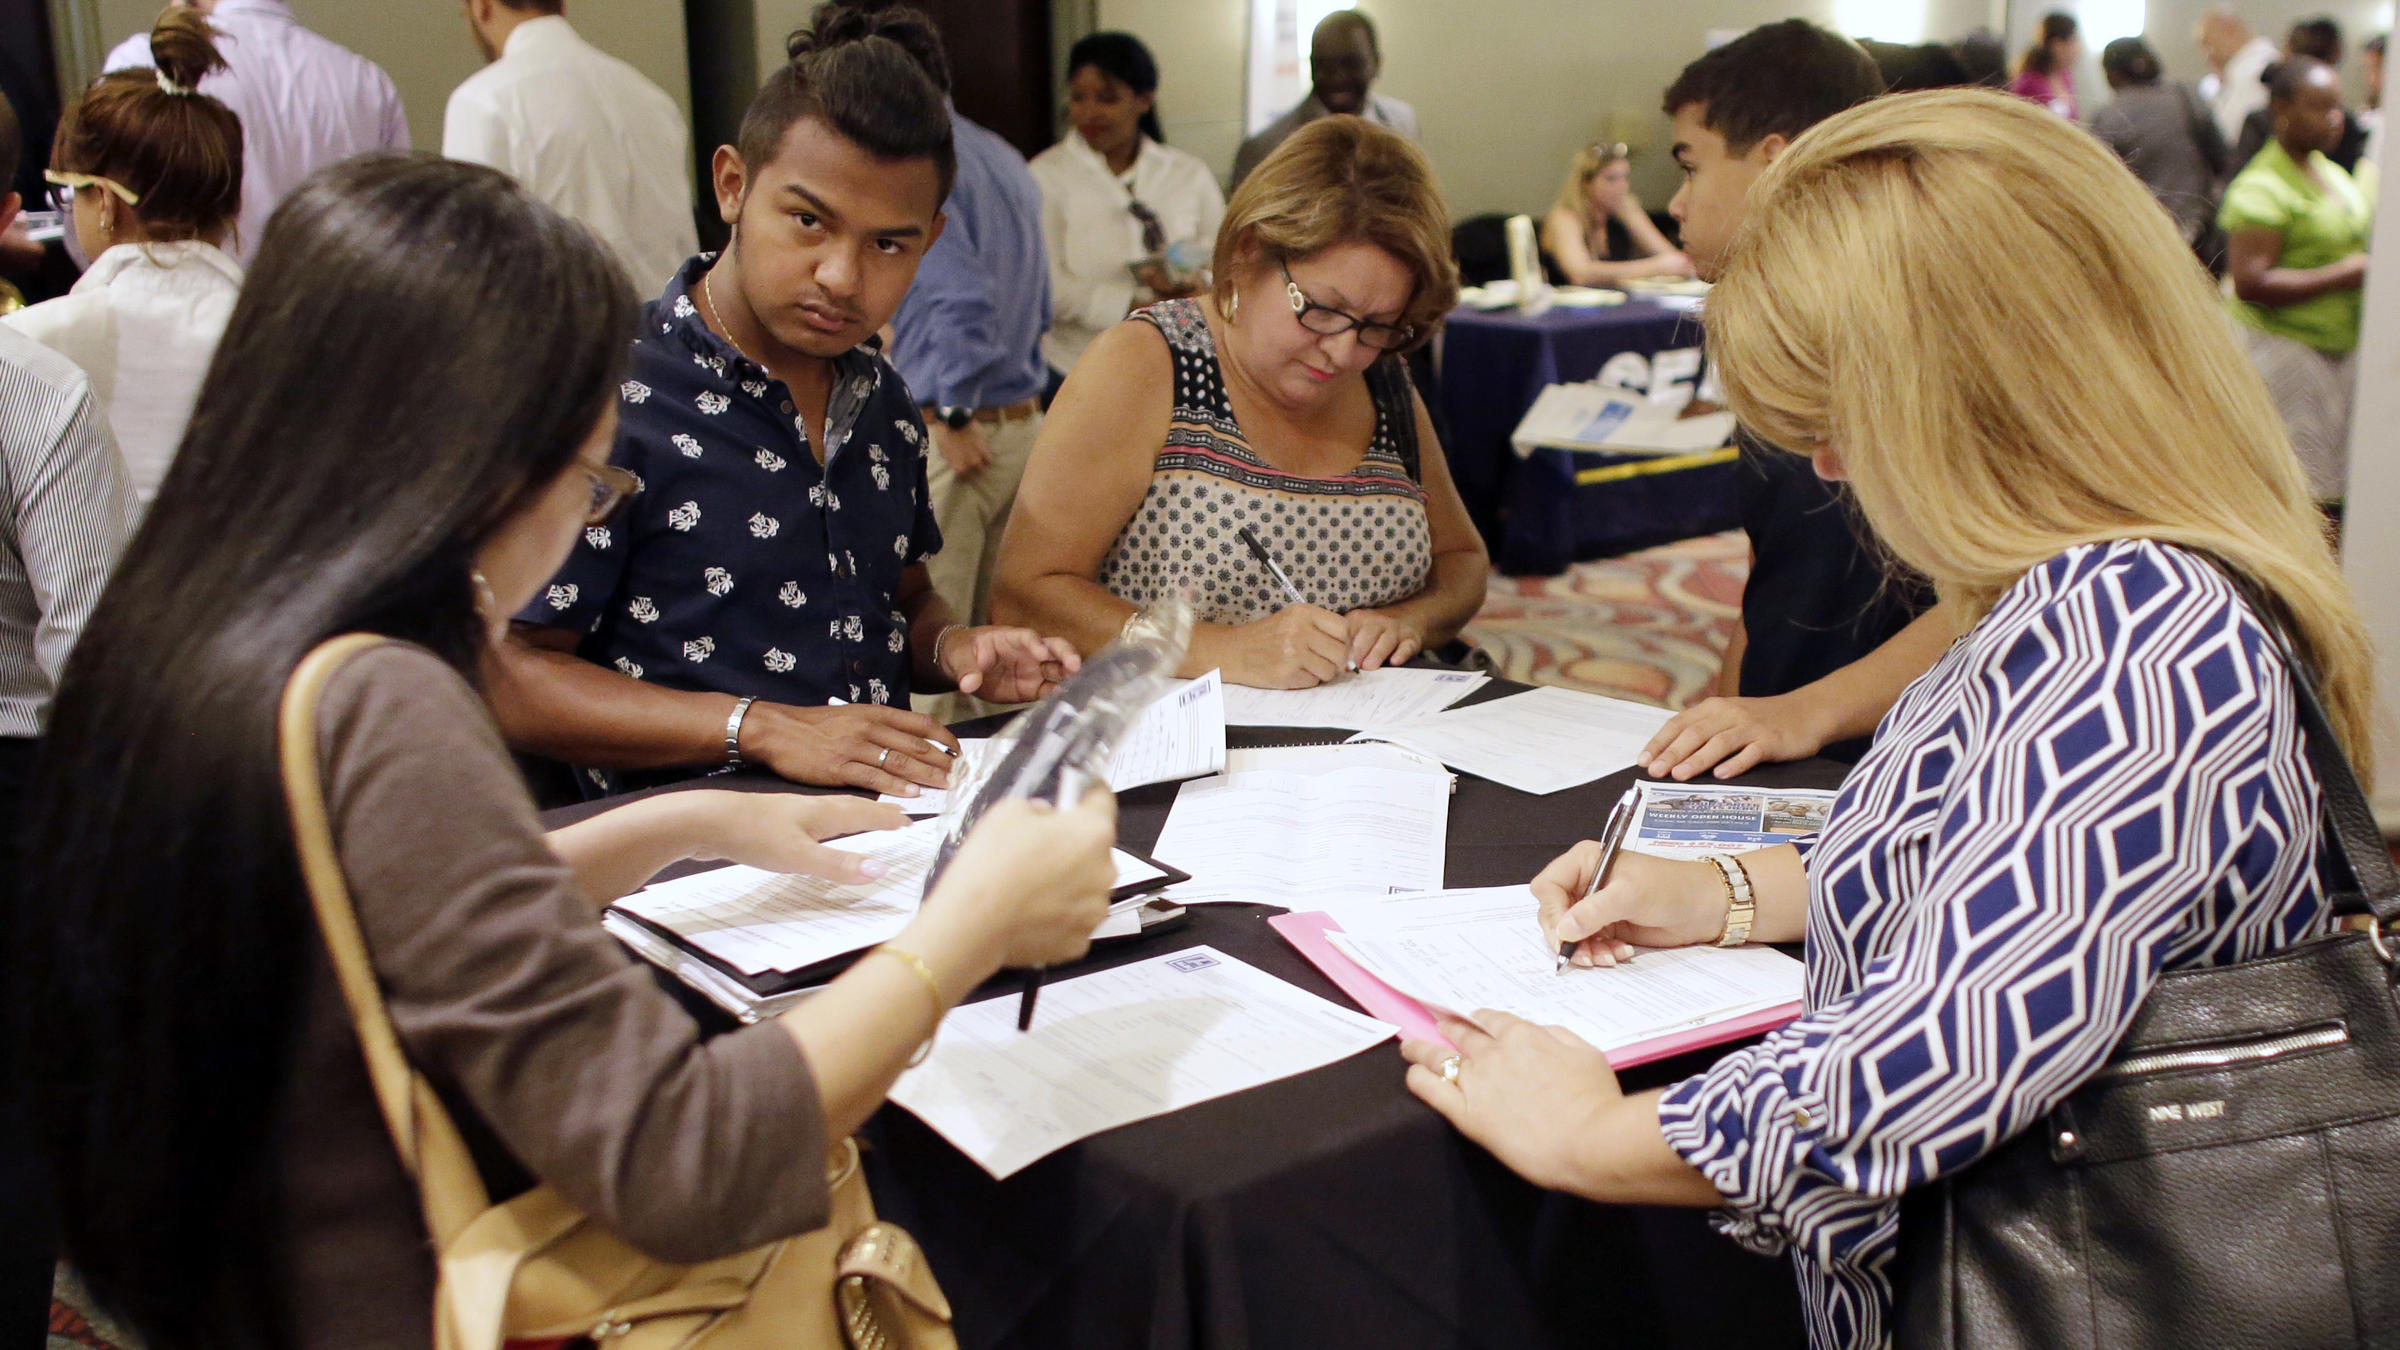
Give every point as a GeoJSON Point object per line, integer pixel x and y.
{"type": "Point", "coordinates": [425, 46]}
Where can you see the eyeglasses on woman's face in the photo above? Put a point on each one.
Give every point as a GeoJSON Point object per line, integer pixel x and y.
{"type": "Point", "coordinates": [1326, 321]}
{"type": "Point", "coordinates": [612, 487]}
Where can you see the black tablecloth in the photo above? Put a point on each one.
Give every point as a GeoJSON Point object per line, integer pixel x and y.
{"type": "Point", "coordinates": [1326, 1210]}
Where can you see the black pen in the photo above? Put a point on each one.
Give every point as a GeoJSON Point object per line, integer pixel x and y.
{"type": "Point", "coordinates": [1031, 990]}
{"type": "Point", "coordinates": [1612, 837]}
{"type": "Point", "coordinates": [1258, 550]}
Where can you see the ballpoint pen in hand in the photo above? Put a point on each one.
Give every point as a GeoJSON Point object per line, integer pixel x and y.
{"type": "Point", "coordinates": [1612, 837]}
{"type": "Point", "coordinates": [1258, 550]}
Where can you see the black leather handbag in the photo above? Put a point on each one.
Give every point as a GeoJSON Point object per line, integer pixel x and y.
{"type": "Point", "coordinates": [2231, 1176]}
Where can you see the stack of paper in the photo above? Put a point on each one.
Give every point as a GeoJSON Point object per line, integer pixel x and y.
{"type": "Point", "coordinates": [1541, 741]}
{"type": "Point", "coordinates": [1300, 839]}
{"type": "Point", "coordinates": [758, 921]}
{"type": "Point", "coordinates": [1371, 698]}
{"type": "Point", "coordinates": [1116, 1047]}
{"type": "Point", "coordinates": [1463, 951]}
{"type": "Point", "coordinates": [1181, 735]}
{"type": "Point", "coordinates": [755, 920]}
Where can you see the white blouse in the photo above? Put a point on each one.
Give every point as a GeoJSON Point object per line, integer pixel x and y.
{"type": "Point", "coordinates": [143, 322]}
{"type": "Point", "coordinates": [1092, 233]}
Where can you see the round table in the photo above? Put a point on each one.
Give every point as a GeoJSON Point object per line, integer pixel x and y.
{"type": "Point", "coordinates": [1330, 1209]}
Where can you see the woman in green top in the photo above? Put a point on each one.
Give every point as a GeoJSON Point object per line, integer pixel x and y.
{"type": "Point", "coordinates": [2297, 258]}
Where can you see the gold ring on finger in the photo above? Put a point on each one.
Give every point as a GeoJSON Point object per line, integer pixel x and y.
{"type": "Point", "coordinates": [1450, 1066]}
{"type": "Point", "coordinates": [882, 758]}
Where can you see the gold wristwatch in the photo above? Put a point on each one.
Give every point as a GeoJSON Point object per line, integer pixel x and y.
{"type": "Point", "coordinates": [1741, 902]}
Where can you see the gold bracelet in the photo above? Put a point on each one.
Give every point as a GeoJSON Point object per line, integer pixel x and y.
{"type": "Point", "coordinates": [941, 1002]}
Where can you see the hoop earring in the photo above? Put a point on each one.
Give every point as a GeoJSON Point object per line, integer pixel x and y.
{"type": "Point", "coordinates": [1233, 307]}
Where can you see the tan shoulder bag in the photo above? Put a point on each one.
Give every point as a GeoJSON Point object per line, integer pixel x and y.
{"type": "Point", "coordinates": [537, 1271]}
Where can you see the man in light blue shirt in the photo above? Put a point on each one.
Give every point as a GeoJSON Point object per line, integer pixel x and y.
{"type": "Point", "coordinates": [968, 342]}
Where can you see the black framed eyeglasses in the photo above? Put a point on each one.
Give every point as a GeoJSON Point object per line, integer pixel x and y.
{"type": "Point", "coordinates": [1326, 321]}
{"type": "Point", "coordinates": [612, 487]}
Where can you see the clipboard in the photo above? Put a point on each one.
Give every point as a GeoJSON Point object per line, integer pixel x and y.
{"type": "Point", "coordinates": [755, 998]}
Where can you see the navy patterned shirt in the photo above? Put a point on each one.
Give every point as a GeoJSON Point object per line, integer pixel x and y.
{"type": "Point", "coordinates": [2102, 782]}
{"type": "Point", "coordinates": [742, 567]}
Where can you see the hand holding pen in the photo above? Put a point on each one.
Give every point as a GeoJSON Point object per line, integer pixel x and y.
{"type": "Point", "coordinates": [1292, 594]}
{"type": "Point", "coordinates": [1612, 838]}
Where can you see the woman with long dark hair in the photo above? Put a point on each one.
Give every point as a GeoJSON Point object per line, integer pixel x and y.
{"type": "Point", "coordinates": [1116, 200]}
{"type": "Point", "coordinates": [405, 427]}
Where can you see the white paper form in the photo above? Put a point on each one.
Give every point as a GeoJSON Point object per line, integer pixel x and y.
{"type": "Point", "coordinates": [1300, 839]}
{"type": "Point", "coordinates": [1182, 735]}
{"type": "Point", "coordinates": [1468, 950]}
{"type": "Point", "coordinates": [1119, 1046]}
{"type": "Point", "coordinates": [1329, 759]}
{"type": "Point", "coordinates": [1353, 702]}
{"type": "Point", "coordinates": [756, 921]}
{"type": "Point", "coordinates": [1541, 741]}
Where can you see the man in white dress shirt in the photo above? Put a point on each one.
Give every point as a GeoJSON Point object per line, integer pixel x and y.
{"type": "Point", "coordinates": [304, 101]}
{"type": "Point", "coordinates": [2237, 61]}
{"type": "Point", "coordinates": [1343, 60]}
{"type": "Point", "coordinates": [581, 130]}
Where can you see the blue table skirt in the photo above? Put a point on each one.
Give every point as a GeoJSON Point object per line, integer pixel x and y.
{"type": "Point", "coordinates": [1533, 513]}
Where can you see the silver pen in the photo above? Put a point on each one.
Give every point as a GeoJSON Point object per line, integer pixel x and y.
{"type": "Point", "coordinates": [1612, 837]}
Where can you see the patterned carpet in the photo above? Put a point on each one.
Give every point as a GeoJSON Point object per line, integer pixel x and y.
{"type": "Point", "coordinates": [1650, 626]}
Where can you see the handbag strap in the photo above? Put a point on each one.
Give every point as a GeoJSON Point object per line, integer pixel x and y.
{"type": "Point", "coordinates": [449, 1188]}
{"type": "Point", "coordinates": [2355, 860]}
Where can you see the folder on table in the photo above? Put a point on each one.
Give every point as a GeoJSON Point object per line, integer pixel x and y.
{"type": "Point", "coordinates": [754, 942]}
{"type": "Point", "coordinates": [1308, 933]}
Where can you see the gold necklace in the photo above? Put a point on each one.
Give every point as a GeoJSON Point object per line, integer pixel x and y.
{"type": "Point", "coordinates": [708, 292]}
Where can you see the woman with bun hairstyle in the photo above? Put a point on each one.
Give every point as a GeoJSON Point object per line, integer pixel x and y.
{"type": "Point", "coordinates": [150, 171]}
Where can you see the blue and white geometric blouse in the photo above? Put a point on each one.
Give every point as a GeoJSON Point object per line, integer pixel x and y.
{"type": "Point", "coordinates": [2101, 782]}
{"type": "Point", "coordinates": [742, 566]}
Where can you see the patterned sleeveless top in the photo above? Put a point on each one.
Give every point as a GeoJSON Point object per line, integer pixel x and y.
{"type": "Point", "coordinates": [1357, 540]}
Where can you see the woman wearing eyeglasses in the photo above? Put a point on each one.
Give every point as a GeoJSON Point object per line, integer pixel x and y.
{"type": "Point", "coordinates": [1276, 404]}
{"type": "Point", "coordinates": [1597, 233]}
{"type": "Point", "coordinates": [1116, 199]}
{"type": "Point", "coordinates": [149, 171]}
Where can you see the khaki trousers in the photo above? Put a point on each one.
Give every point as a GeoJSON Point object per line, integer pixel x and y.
{"type": "Point", "coordinates": [973, 513]}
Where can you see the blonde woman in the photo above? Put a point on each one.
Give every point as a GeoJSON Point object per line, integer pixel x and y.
{"type": "Point", "coordinates": [1597, 231]}
{"type": "Point", "coordinates": [1277, 404]}
{"type": "Point", "coordinates": [2101, 782]}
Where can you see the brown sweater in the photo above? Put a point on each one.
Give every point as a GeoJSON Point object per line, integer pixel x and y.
{"type": "Point", "coordinates": [547, 1040]}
